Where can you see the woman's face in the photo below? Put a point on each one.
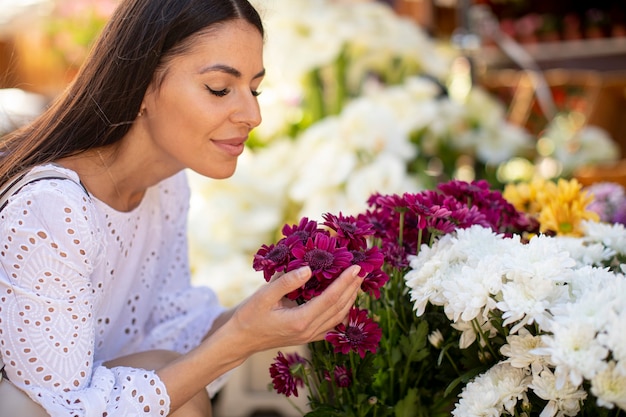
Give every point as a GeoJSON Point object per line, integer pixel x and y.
{"type": "Point", "coordinates": [202, 113]}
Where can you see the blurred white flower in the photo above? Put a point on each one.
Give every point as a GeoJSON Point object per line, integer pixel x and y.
{"type": "Point", "coordinates": [562, 401]}
{"type": "Point", "coordinates": [493, 393]}
{"type": "Point", "coordinates": [609, 386]}
{"type": "Point", "coordinates": [519, 350]}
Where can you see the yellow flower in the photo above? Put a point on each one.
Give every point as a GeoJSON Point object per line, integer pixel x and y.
{"type": "Point", "coordinates": [564, 207]}
{"type": "Point", "coordinates": [525, 196]}
{"type": "Point", "coordinates": [560, 207]}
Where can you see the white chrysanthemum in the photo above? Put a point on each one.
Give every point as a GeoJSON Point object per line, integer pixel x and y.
{"type": "Point", "coordinates": [585, 251]}
{"type": "Point", "coordinates": [468, 331]}
{"type": "Point", "coordinates": [469, 293]}
{"type": "Point", "coordinates": [477, 243]}
{"type": "Point", "coordinates": [519, 350]}
{"type": "Point", "coordinates": [493, 140]}
{"type": "Point", "coordinates": [562, 401]}
{"type": "Point", "coordinates": [501, 142]}
{"type": "Point", "coordinates": [385, 172]}
{"type": "Point", "coordinates": [371, 35]}
{"type": "Point", "coordinates": [609, 386]}
{"type": "Point", "coordinates": [428, 268]}
{"type": "Point", "coordinates": [612, 235]}
{"type": "Point", "coordinates": [478, 399]}
{"type": "Point", "coordinates": [534, 282]}
{"type": "Point", "coordinates": [593, 298]}
{"type": "Point", "coordinates": [442, 274]}
{"type": "Point", "coordinates": [574, 350]}
{"type": "Point", "coordinates": [490, 394]}
{"type": "Point", "coordinates": [614, 336]}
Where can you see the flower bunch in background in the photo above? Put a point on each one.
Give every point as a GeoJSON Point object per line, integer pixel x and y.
{"type": "Point", "coordinates": [567, 143]}
{"type": "Point", "coordinates": [559, 206]}
{"type": "Point", "coordinates": [609, 201]}
{"type": "Point", "coordinates": [324, 53]}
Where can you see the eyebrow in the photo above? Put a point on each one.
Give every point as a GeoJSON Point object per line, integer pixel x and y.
{"type": "Point", "coordinates": [229, 70]}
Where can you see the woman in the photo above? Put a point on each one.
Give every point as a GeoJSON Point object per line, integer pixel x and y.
{"type": "Point", "coordinates": [97, 315]}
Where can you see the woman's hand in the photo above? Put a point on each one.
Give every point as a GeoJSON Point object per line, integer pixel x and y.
{"type": "Point", "coordinates": [264, 321]}
{"type": "Point", "coordinates": [271, 320]}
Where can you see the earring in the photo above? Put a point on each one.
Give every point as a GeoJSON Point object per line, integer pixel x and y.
{"type": "Point", "coordinates": [140, 113]}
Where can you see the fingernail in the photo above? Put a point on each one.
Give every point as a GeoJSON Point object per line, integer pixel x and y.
{"type": "Point", "coordinates": [303, 270]}
{"type": "Point", "coordinates": [355, 271]}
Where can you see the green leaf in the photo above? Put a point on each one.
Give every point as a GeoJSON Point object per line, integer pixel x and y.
{"type": "Point", "coordinates": [406, 407]}
{"type": "Point", "coordinates": [325, 411]}
{"type": "Point", "coordinates": [466, 377]}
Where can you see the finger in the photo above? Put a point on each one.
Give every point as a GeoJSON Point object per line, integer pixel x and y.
{"type": "Point", "coordinates": [288, 282]}
{"type": "Point", "coordinates": [335, 302]}
{"type": "Point", "coordinates": [276, 276]}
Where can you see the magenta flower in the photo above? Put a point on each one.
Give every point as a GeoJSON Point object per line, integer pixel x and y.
{"type": "Point", "coordinates": [350, 231]}
{"type": "Point", "coordinates": [342, 376]}
{"type": "Point", "coordinates": [361, 335]}
{"type": "Point", "coordinates": [323, 255]}
{"type": "Point", "coordinates": [373, 282]}
{"type": "Point", "coordinates": [303, 230]}
{"type": "Point", "coordinates": [287, 373]}
{"type": "Point", "coordinates": [271, 259]}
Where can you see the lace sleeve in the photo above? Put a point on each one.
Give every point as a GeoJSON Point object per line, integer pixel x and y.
{"type": "Point", "coordinates": [49, 247]}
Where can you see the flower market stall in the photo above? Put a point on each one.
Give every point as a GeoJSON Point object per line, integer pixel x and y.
{"type": "Point", "coordinates": [494, 266]}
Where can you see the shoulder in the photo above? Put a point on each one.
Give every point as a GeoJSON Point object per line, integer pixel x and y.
{"type": "Point", "coordinates": [55, 196]}
{"type": "Point", "coordinates": [54, 209]}
{"type": "Point", "coordinates": [47, 184]}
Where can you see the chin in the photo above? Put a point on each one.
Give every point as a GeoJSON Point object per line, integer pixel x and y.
{"type": "Point", "coordinates": [219, 174]}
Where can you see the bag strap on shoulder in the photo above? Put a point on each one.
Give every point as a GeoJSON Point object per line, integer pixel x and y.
{"type": "Point", "coordinates": [15, 185]}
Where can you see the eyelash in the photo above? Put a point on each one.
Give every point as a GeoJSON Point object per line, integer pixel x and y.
{"type": "Point", "coordinates": [222, 93]}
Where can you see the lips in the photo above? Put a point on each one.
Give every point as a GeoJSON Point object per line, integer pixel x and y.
{"type": "Point", "coordinates": [233, 147]}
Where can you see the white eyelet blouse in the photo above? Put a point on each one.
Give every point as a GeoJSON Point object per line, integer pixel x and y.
{"type": "Point", "coordinates": [81, 283]}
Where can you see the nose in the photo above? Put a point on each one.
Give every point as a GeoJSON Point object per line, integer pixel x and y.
{"type": "Point", "coordinates": [248, 112]}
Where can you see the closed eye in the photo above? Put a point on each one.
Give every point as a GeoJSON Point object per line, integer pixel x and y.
{"type": "Point", "coordinates": [225, 91]}
{"type": "Point", "coordinates": [217, 93]}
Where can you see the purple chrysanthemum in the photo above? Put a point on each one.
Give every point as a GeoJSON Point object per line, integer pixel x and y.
{"type": "Point", "coordinates": [361, 335]}
{"type": "Point", "coordinates": [342, 376]}
{"type": "Point", "coordinates": [373, 282]}
{"type": "Point", "coordinates": [271, 259]}
{"type": "Point", "coordinates": [304, 230]}
{"type": "Point", "coordinates": [350, 231]}
{"type": "Point", "coordinates": [321, 252]}
{"type": "Point", "coordinates": [287, 373]}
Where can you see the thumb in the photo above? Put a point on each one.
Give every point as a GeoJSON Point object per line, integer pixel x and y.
{"type": "Point", "coordinates": [290, 281]}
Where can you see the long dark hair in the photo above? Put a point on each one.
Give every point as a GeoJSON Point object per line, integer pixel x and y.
{"type": "Point", "coordinates": [99, 106]}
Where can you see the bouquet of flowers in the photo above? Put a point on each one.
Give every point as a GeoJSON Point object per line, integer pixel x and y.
{"type": "Point", "coordinates": [470, 307]}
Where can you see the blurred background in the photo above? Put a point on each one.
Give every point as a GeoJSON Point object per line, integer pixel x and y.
{"type": "Point", "coordinates": [401, 94]}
